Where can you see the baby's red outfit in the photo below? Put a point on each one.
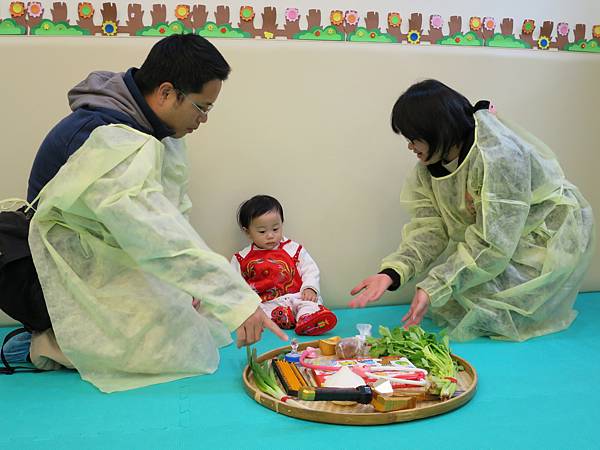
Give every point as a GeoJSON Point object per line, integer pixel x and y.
{"type": "Point", "coordinates": [275, 277]}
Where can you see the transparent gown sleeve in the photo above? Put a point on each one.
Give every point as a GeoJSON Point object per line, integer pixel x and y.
{"type": "Point", "coordinates": [129, 202]}
{"type": "Point", "coordinates": [425, 237]}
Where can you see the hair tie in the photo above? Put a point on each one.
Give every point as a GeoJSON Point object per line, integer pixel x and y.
{"type": "Point", "coordinates": [484, 104]}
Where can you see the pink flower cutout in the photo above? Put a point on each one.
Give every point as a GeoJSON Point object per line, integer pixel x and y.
{"type": "Point", "coordinates": [35, 9]}
{"type": "Point", "coordinates": [436, 21]}
{"type": "Point", "coordinates": [562, 29]}
{"type": "Point", "coordinates": [489, 23]}
{"type": "Point", "coordinates": [292, 14]}
{"type": "Point", "coordinates": [351, 17]}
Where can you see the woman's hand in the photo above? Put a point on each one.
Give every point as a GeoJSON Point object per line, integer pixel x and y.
{"type": "Point", "coordinates": [372, 288]}
{"type": "Point", "coordinates": [417, 310]}
{"type": "Point", "coordinates": [309, 295]}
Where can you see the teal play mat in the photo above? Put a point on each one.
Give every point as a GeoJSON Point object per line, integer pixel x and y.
{"type": "Point", "coordinates": [539, 394]}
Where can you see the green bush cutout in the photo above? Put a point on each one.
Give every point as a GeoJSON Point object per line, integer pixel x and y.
{"type": "Point", "coordinates": [164, 29]}
{"type": "Point", "coordinates": [469, 39]}
{"type": "Point", "coordinates": [10, 27]}
{"type": "Point", "coordinates": [500, 40]}
{"type": "Point", "coordinates": [592, 46]}
{"type": "Point", "coordinates": [363, 35]}
{"type": "Point", "coordinates": [329, 33]}
{"type": "Point", "coordinates": [211, 29]}
{"type": "Point", "coordinates": [48, 28]}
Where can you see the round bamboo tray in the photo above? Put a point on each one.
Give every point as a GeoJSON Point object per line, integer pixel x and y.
{"type": "Point", "coordinates": [329, 412]}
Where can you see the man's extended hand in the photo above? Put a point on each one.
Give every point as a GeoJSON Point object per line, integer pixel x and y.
{"type": "Point", "coordinates": [251, 330]}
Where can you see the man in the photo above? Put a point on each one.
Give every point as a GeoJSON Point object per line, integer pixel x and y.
{"type": "Point", "coordinates": [117, 260]}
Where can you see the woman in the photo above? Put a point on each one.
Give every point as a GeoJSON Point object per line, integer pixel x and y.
{"type": "Point", "coordinates": [515, 234]}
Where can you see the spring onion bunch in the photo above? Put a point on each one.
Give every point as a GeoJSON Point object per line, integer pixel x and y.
{"type": "Point", "coordinates": [266, 379]}
{"type": "Point", "coordinates": [426, 350]}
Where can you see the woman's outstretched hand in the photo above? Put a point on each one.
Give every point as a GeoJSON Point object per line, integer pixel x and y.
{"type": "Point", "coordinates": [372, 288]}
{"type": "Point", "coordinates": [417, 310]}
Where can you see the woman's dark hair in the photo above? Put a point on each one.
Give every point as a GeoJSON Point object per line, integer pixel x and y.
{"type": "Point", "coordinates": [188, 61]}
{"type": "Point", "coordinates": [434, 113]}
{"type": "Point", "coordinates": [256, 207]}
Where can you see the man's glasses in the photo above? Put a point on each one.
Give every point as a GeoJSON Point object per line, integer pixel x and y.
{"type": "Point", "coordinates": [203, 110]}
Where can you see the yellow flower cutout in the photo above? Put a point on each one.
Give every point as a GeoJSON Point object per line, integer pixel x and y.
{"type": "Point", "coordinates": [331, 31]}
{"type": "Point", "coordinates": [336, 17]}
{"type": "Point", "coordinates": [268, 35]}
{"type": "Point", "coordinates": [46, 26]}
{"type": "Point", "coordinates": [596, 31]}
{"type": "Point", "coordinates": [543, 42]}
{"type": "Point", "coordinates": [210, 27]}
{"type": "Point", "coordinates": [475, 23]}
{"type": "Point", "coordinates": [182, 12]}
{"type": "Point", "coordinates": [17, 9]}
{"type": "Point", "coordinates": [109, 28]}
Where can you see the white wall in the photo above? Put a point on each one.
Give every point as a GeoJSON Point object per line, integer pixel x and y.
{"type": "Point", "coordinates": [309, 123]}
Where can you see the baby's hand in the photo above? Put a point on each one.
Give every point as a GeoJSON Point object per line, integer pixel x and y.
{"type": "Point", "coordinates": [309, 295]}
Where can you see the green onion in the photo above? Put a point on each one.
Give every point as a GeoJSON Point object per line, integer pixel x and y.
{"type": "Point", "coordinates": [266, 379]}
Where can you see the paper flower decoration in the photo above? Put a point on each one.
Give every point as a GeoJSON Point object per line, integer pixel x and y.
{"type": "Point", "coordinates": [596, 31]}
{"type": "Point", "coordinates": [351, 17]}
{"type": "Point", "coordinates": [210, 27]}
{"type": "Point", "coordinates": [109, 28]}
{"type": "Point", "coordinates": [414, 37]}
{"type": "Point", "coordinates": [247, 13]}
{"type": "Point", "coordinates": [489, 23]}
{"type": "Point", "coordinates": [85, 10]}
{"type": "Point", "coordinates": [35, 9]}
{"type": "Point", "coordinates": [394, 19]}
{"type": "Point", "coordinates": [528, 26]}
{"type": "Point", "coordinates": [562, 29]}
{"type": "Point", "coordinates": [336, 17]}
{"type": "Point", "coordinates": [475, 23]}
{"type": "Point", "coordinates": [544, 42]}
{"type": "Point", "coordinates": [17, 9]}
{"type": "Point", "coordinates": [292, 14]}
{"type": "Point", "coordinates": [330, 31]}
{"type": "Point", "coordinates": [436, 22]}
{"type": "Point", "coordinates": [182, 12]}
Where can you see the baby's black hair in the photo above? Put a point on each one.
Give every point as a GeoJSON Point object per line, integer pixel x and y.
{"type": "Point", "coordinates": [434, 113]}
{"type": "Point", "coordinates": [256, 207]}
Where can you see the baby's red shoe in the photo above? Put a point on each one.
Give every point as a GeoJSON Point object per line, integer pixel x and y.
{"type": "Point", "coordinates": [317, 323]}
{"type": "Point", "coordinates": [283, 317]}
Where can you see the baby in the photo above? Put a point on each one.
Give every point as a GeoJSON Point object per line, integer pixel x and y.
{"type": "Point", "coordinates": [280, 270]}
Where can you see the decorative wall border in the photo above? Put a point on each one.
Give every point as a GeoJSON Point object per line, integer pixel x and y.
{"type": "Point", "coordinates": [28, 19]}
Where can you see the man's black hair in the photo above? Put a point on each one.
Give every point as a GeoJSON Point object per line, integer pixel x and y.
{"type": "Point", "coordinates": [188, 61]}
{"type": "Point", "coordinates": [256, 207]}
{"type": "Point", "coordinates": [434, 113]}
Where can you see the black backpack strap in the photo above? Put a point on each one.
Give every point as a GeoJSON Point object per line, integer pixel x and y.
{"type": "Point", "coordinates": [8, 369]}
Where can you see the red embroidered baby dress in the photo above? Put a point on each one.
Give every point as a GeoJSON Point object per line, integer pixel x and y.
{"type": "Point", "coordinates": [271, 273]}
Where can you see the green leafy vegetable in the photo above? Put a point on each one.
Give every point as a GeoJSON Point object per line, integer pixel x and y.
{"type": "Point", "coordinates": [426, 350]}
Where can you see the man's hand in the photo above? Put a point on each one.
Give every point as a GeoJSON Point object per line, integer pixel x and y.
{"type": "Point", "coordinates": [251, 330]}
{"type": "Point", "coordinates": [417, 310]}
{"type": "Point", "coordinates": [309, 295]}
{"type": "Point", "coordinates": [372, 288]}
